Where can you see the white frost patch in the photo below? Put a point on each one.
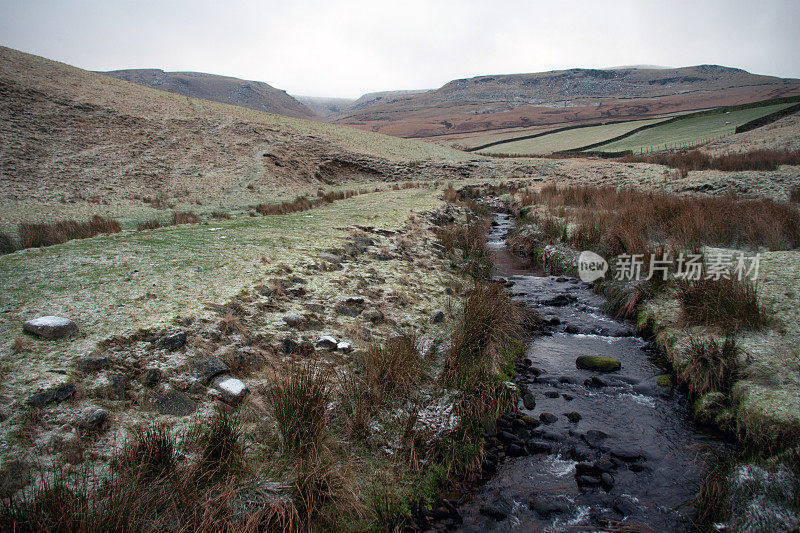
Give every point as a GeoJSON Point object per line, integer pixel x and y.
{"type": "Point", "coordinates": [438, 417]}
{"type": "Point", "coordinates": [763, 500]}
{"type": "Point", "coordinates": [232, 386]}
{"type": "Point", "coordinates": [50, 321]}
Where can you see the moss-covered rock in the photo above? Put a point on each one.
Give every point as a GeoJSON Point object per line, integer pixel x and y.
{"type": "Point", "coordinates": [665, 380]}
{"type": "Point", "coordinates": [708, 406]}
{"type": "Point", "coordinates": [597, 363]}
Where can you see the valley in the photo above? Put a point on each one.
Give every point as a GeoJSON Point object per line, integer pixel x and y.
{"type": "Point", "coordinates": [321, 314]}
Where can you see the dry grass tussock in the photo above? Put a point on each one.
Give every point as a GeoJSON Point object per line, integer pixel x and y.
{"type": "Point", "coordinates": [615, 221]}
{"type": "Point", "coordinates": [729, 305]}
{"type": "Point", "coordinates": [48, 234]}
{"type": "Point", "coordinates": [150, 490]}
{"type": "Point", "coordinates": [687, 160]}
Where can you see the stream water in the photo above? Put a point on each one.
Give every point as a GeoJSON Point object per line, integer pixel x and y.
{"type": "Point", "coordinates": [632, 460]}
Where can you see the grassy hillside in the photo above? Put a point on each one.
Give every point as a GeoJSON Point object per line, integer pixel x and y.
{"type": "Point", "coordinates": [77, 142]}
{"type": "Point", "coordinates": [567, 140]}
{"type": "Point", "coordinates": [690, 131]}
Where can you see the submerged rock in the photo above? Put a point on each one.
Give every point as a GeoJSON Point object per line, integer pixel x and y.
{"type": "Point", "coordinates": [597, 363]}
{"type": "Point", "coordinates": [50, 327]}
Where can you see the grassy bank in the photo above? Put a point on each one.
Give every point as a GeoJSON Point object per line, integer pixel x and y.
{"type": "Point", "coordinates": [363, 436]}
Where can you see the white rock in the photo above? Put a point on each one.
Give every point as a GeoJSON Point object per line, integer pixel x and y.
{"type": "Point", "coordinates": [328, 342]}
{"type": "Point", "coordinates": [232, 390]}
{"type": "Point", "coordinates": [292, 319]}
{"type": "Point", "coordinates": [344, 347]}
{"type": "Point", "coordinates": [50, 327]}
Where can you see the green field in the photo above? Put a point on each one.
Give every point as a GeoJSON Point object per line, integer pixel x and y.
{"type": "Point", "coordinates": [689, 131]}
{"type": "Point", "coordinates": [568, 140]}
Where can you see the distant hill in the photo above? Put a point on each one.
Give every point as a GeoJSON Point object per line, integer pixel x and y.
{"type": "Point", "coordinates": [382, 97]}
{"type": "Point", "coordinates": [563, 96]}
{"type": "Point", "coordinates": [324, 106]}
{"type": "Point", "coordinates": [252, 94]}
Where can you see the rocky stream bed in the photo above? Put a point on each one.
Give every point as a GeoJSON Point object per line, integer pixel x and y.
{"type": "Point", "coordinates": [588, 449]}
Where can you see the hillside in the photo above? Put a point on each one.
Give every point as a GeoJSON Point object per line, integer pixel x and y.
{"type": "Point", "coordinates": [566, 96]}
{"type": "Point", "coordinates": [77, 142]}
{"type": "Point", "coordinates": [252, 94]}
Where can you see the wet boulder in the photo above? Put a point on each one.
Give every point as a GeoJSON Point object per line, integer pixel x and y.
{"type": "Point", "coordinates": [50, 327]}
{"type": "Point", "coordinates": [597, 363]}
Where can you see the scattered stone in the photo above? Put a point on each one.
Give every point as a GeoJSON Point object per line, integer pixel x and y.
{"type": "Point", "coordinates": [117, 389]}
{"type": "Point", "coordinates": [292, 319]}
{"type": "Point", "coordinates": [603, 465]}
{"type": "Point", "coordinates": [40, 399]}
{"type": "Point", "coordinates": [173, 342]}
{"type": "Point", "coordinates": [327, 342]}
{"type": "Point", "coordinates": [587, 481]}
{"type": "Point", "coordinates": [624, 507]}
{"type": "Point", "coordinates": [92, 418]}
{"type": "Point", "coordinates": [607, 480]}
{"type": "Point", "coordinates": [349, 309]}
{"type": "Point", "coordinates": [559, 301]}
{"type": "Point", "coordinates": [438, 317]}
{"type": "Point", "coordinates": [547, 506]}
{"type": "Point", "coordinates": [628, 456]}
{"type": "Point", "coordinates": [594, 437]}
{"type": "Point", "coordinates": [344, 347]}
{"type": "Point", "coordinates": [568, 397]}
{"type": "Point", "coordinates": [151, 377]}
{"type": "Point", "coordinates": [515, 450]}
{"type": "Point", "coordinates": [14, 475]}
{"type": "Point", "coordinates": [572, 330]}
{"type": "Point", "coordinates": [63, 392]}
{"type": "Point", "coordinates": [552, 394]}
{"type": "Point", "coordinates": [597, 363]}
{"type": "Point", "coordinates": [232, 390]}
{"type": "Point", "coordinates": [538, 446]}
{"type": "Point", "coordinates": [330, 258]}
{"type": "Point", "coordinates": [548, 418]}
{"type": "Point", "coordinates": [289, 346]}
{"type": "Point", "coordinates": [175, 403]}
{"type": "Point", "coordinates": [92, 363]}
{"type": "Point", "coordinates": [208, 367]}
{"type": "Point", "coordinates": [374, 316]}
{"type": "Point", "coordinates": [562, 279]}
{"type": "Point", "coordinates": [497, 510]}
{"type": "Point", "coordinates": [574, 417]}
{"type": "Point", "coordinates": [50, 327]}
{"type": "Point", "coordinates": [529, 421]}
{"type": "Point", "coordinates": [529, 401]}
{"type": "Point", "coordinates": [594, 382]}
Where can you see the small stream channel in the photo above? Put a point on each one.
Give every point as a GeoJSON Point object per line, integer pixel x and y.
{"type": "Point", "coordinates": [633, 458]}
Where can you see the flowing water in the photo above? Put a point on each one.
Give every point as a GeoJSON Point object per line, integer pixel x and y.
{"type": "Point", "coordinates": [634, 442]}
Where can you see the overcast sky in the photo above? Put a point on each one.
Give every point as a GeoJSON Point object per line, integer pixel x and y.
{"type": "Point", "coordinates": [350, 47]}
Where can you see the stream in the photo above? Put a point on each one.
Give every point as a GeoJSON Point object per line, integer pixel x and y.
{"type": "Point", "coordinates": [632, 460]}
